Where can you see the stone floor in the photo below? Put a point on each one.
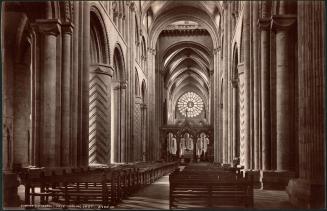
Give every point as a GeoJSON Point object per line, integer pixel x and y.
{"type": "Point", "coordinates": [156, 196]}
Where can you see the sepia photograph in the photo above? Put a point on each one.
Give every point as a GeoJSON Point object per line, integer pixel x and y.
{"type": "Point", "coordinates": [163, 105]}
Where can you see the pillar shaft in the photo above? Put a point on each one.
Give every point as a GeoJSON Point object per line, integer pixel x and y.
{"type": "Point", "coordinates": [50, 141]}
{"type": "Point", "coordinates": [265, 93]}
{"type": "Point", "coordinates": [99, 114]}
{"type": "Point", "coordinates": [281, 24]}
{"type": "Point", "coordinates": [74, 87]}
{"type": "Point", "coordinates": [255, 86]}
{"type": "Point", "coordinates": [123, 122]}
{"type": "Point", "coordinates": [216, 103]}
{"type": "Point", "coordinates": [85, 84]}
{"type": "Point", "coordinates": [66, 89]}
{"type": "Point", "coordinates": [246, 30]}
{"type": "Point", "coordinates": [225, 88]}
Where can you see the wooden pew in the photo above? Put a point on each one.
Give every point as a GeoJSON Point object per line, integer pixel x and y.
{"type": "Point", "coordinates": [105, 186]}
{"type": "Point", "coordinates": [209, 190]}
{"type": "Point", "coordinates": [70, 186]}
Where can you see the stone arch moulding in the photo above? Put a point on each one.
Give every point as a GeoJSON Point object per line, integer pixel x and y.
{"type": "Point", "coordinates": [147, 5]}
{"type": "Point", "coordinates": [196, 47]}
{"type": "Point", "coordinates": [238, 33]}
{"type": "Point", "coordinates": [105, 40]}
{"type": "Point", "coordinates": [118, 50]}
{"type": "Point", "coordinates": [163, 22]}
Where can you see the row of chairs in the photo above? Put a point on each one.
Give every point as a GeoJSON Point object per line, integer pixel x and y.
{"type": "Point", "coordinates": [105, 186]}
{"type": "Point", "coordinates": [210, 187]}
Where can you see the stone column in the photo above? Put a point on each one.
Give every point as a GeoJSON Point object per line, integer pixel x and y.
{"type": "Point", "coordinates": [236, 112]}
{"type": "Point", "coordinates": [143, 132]}
{"type": "Point", "coordinates": [309, 189]}
{"type": "Point", "coordinates": [85, 83]}
{"type": "Point", "coordinates": [123, 135]}
{"type": "Point", "coordinates": [247, 58]}
{"type": "Point", "coordinates": [100, 114]}
{"type": "Point", "coordinates": [130, 97]}
{"type": "Point", "coordinates": [151, 97]}
{"type": "Point", "coordinates": [49, 139]}
{"type": "Point", "coordinates": [225, 87]}
{"type": "Point", "coordinates": [256, 88]}
{"type": "Point", "coordinates": [281, 24]}
{"type": "Point", "coordinates": [216, 118]}
{"type": "Point", "coordinates": [74, 87]}
{"type": "Point", "coordinates": [264, 24]}
{"type": "Point", "coordinates": [115, 120]}
{"type": "Point", "coordinates": [66, 144]}
{"type": "Point", "coordinates": [229, 85]}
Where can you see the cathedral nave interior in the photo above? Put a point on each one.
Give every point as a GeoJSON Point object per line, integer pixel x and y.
{"type": "Point", "coordinates": [215, 103]}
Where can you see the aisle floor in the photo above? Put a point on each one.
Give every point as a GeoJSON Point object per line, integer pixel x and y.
{"type": "Point", "coordinates": [156, 196]}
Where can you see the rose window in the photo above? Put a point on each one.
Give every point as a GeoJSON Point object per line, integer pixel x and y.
{"type": "Point", "coordinates": [190, 104]}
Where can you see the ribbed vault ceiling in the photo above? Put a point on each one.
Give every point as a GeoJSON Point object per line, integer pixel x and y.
{"type": "Point", "coordinates": [185, 65]}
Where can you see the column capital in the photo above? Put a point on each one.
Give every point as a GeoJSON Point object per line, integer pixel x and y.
{"type": "Point", "coordinates": [132, 6]}
{"type": "Point", "coordinates": [102, 69]}
{"type": "Point", "coordinates": [67, 28]}
{"type": "Point", "coordinates": [216, 50]}
{"type": "Point", "coordinates": [225, 4]}
{"type": "Point", "coordinates": [143, 106]}
{"type": "Point", "coordinates": [152, 51]}
{"type": "Point", "coordinates": [264, 24]}
{"type": "Point", "coordinates": [282, 22]}
{"type": "Point", "coordinates": [49, 26]}
{"type": "Point", "coordinates": [123, 84]}
{"type": "Point", "coordinates": [211, 72]}
{"type": "Point", "coordinates": [234, 82]}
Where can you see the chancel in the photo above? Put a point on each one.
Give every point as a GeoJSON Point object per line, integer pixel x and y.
{"type": "Point", "coordinates": [163, 104]}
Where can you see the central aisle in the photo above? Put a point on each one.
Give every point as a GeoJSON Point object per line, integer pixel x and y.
{"type": "Point", "coordinates": [156, 196]}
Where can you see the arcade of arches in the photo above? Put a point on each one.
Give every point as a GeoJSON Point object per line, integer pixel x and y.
{"type": "Point", "coordinates": [107, 82]}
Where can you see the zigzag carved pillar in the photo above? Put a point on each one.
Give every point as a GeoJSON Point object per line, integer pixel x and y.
{"type": "Point", "coordinates": [99, 114]}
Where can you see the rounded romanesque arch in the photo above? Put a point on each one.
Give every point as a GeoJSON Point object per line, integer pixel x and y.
{"type": "Point", "coordinates": [118, 62]}
{"type": "Point", "coordinates": [99, 90]}
{"type": "Point", "coordinates": [100, 52]}
{"type": "Point", "coordinates": [118, 107]}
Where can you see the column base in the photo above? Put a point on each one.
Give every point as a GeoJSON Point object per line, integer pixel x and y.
{"type": "Point", "coordinates": [256, 177]}
{"type": "Point", "coordinates": [10, 190]}
{"type": "Point", "coordinates": [226, 165]}
{"type": "Point", "coordinates": [303, 194]}
{"type": "Point", "coordinates": [275, 180]}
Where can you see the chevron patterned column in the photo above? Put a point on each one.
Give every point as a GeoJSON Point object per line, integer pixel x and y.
{"type": "Point", "coordinates": [99, 115]}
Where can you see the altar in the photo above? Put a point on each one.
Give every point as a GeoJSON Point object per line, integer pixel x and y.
{"type": "Point", "coordinates": [187, 143]}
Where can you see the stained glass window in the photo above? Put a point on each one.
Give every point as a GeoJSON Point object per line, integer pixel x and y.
{"type": "Point", "coordinates": [190, 104]}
